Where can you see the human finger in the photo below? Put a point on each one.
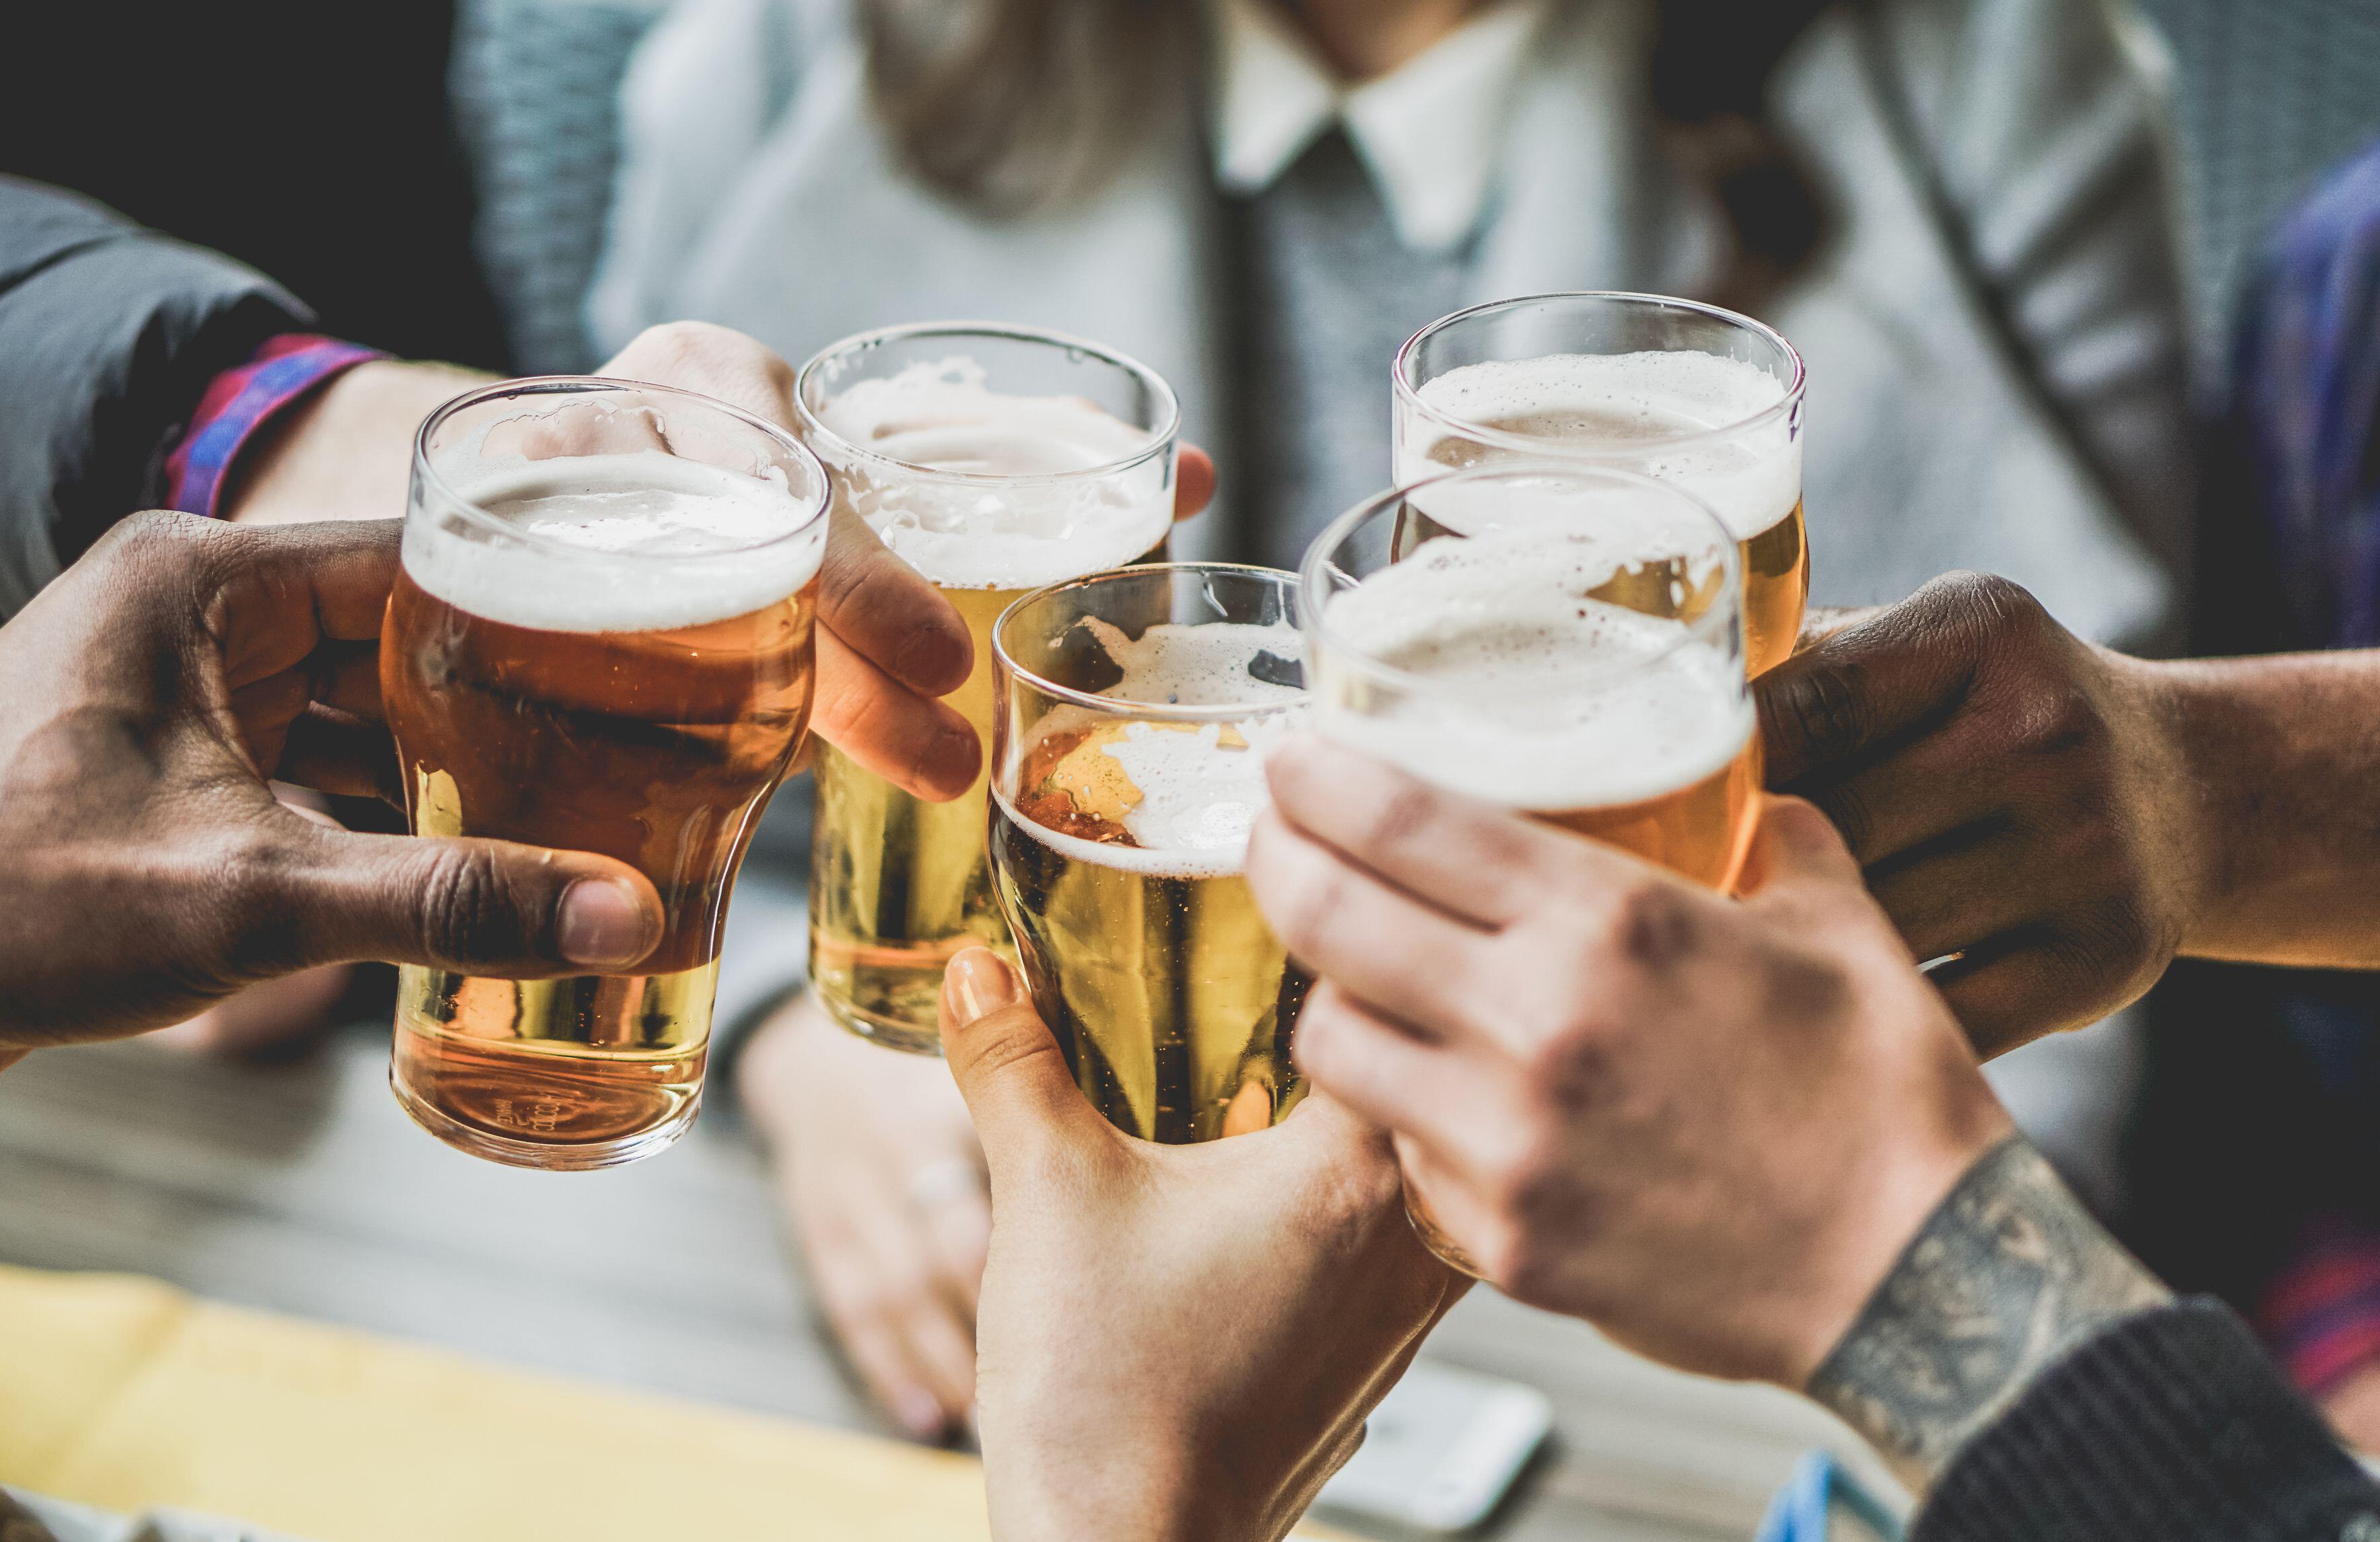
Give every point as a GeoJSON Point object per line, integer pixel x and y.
{"type": "Point", "coordinates": [1375, 941]}
{"type": "Point", "coordinates": [2041, 978]}
{"type": "Point", "coordinates": [955, 1214]}
{"type": "Point", "coordinates": [1387, 1075]}
{"type": "Point", "coordinates": [474, 906]}
{"type": "Point", "coordinates": [1976, 885]}
{"type": "Point", "coordinates": [1008, 1067]}
{"type": "Point", "coordinates": [1795, 846]}
{"type": "Point", "coordinates": [917, 743]}
{"type": "Point", "coordinates": [1482, 864]}
{"type": "Point", "coordinates": [886, 612]}
{"type": "Point", "coordinates": [1870, 685]}
{"type": "Point", "coordinates": [871, 1339]}
{"type": "Point", "coordinates": [332, 752]}
{"type": "Point", "coordinates": [1194, 481]}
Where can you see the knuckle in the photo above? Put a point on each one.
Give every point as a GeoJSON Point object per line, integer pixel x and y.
{"type": "Point", "coordinates": [467, 909]}
{"type": "Point", "coordinates": [1998, 607]}
{"type": "Point", "coordinates": [1819, 714]}
{"type": "Point", "coordinates": [1405, 813]}
{"type": "Point", "coordinates": [1655, 925]}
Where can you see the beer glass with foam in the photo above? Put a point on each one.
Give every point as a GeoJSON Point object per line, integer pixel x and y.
{"type": "Point", "coordinates": [600, 641]}
{"type": "Point", "coordinates": [1566, 644]}
{"type": "Point", "coordinates": [1563, 640]}
{"type": "Point", "coordinates": [993, 460]}
{"type": "Point", "coordinates": [1132, 712]}
{"type": "Point", "coordinates": [1675, 389]}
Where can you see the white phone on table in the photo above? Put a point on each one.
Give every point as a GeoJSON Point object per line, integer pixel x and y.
{"type": "Point", "coordinates": [1441, 1448]}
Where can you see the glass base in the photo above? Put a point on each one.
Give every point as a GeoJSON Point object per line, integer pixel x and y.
{"type": "Point", "coordinates": [893, 1033]}
{"type": "Point", "coordinates": [1448, 1253]}
{"type": "Point", "coordinates": [543, 1156]}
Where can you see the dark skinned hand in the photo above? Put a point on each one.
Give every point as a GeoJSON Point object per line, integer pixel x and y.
{"type": "Point", "coordinates": [2017, 798]}
{"type": "Point", "coordinates": [145, 698]}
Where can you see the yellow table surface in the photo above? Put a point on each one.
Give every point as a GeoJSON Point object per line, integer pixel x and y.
{"type": "Point", "coordinates": [125, 1393]}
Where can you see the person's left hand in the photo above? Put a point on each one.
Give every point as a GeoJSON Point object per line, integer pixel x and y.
{"type": "Point", "coordinates": [1709, 1126]}
{"type": "Point", "coordinates": [1175, 1342]}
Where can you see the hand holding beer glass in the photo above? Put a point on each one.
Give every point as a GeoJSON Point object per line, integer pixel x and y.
{"type": "Point", "coordinates": [600, 640]}
{"type": "Point", "coordinates": [993, 460]}
{"type": "Point", "coordinates": [1132, 712]}
{"type": "Point", "coordinates": [1668, 388]}
{"type": "Point", "coordinates": [1575, 653]}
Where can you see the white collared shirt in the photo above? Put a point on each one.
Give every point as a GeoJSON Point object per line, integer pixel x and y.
{"type": "Point", "coordinates": [1427, 131]}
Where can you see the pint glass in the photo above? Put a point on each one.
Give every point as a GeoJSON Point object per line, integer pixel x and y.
{"type": "Point", "coordinates": [1563, 639]}
{"type": "Point", "coordinates": [993, 460]}
{"type": "Point", "coordinates": [600, 641]}
{"type": "Point", "coordinates": [1132, 713]}
{"type": "Point", "coordinates": [1682, 392]}
{"type": "Point", "coordinates": [1575, 652]}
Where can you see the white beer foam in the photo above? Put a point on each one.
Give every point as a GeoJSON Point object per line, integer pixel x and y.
{"type": "Point", "coordinates": [1634, 406]}
{"type": "Point", "coordinates": [652, 542]}
{"type": "Point", "coordinates": [1537, 697]}
{"type": "Point", "coordinates": [940, 414]}
{"type": "Point", "coordinates": [1199, 797]}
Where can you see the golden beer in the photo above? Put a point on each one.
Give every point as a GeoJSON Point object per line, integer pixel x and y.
{"type": "Point", "coordinates": [1683, 393]}
{"type": "Point", "coordinates": [598, 709]}
{"type": "Point", "coordinates": [990, 491]}
{"type": "Point", "coordinates": [1119, 841]}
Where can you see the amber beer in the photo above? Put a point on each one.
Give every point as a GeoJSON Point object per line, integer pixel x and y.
{"type": "Point", "coordinates": [607, 652]}
{"type": "Point", "coordinates": [1129, 768]}
{"type": "Point", "coordinates": [993, 461]}
{"type": "Point", "coordinates": [1682, 392]}
{"type": "Point", "coordinates": [1575, 658]}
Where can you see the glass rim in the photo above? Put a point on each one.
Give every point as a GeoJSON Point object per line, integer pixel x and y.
{"type": "Point", "coordinates": [1161, 442]}
{"type": "Point", "coordinates": [560, 386]}
{"type": "Point", "coordinates": [1316, 570]}
{"type": "Point", "coordinates": [1005, 663]}
{"type": "Point", "coordinates": [1407, 392]}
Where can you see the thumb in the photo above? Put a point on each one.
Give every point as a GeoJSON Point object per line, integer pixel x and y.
{"type": "Point", "coordinates": [474, 906]}
{"type": "Point", "coordinates": [1796, 849]}
{"type": "Point", "coordinates": [1009, 1069]}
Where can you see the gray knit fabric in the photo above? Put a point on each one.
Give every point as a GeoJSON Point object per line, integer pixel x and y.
{"type": "Point", "coordinates": [1329, 294]}
{"type": "Point", "coordinates": [2268, 93]}
{"type": "Point", "coordinates": [536, 89]}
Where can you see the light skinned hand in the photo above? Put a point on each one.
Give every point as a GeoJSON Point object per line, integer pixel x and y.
{"type": "Point", "coordinates": [1176, 1341]}
{"type": "Point", "coordinates": [1707, 1125]}
{"type": "Point", "coordinates": [2015, 796]}
{"type": "Point", "coordinates": [883, 1187]}
{"type": "Point", "coordinates": [146, 698]}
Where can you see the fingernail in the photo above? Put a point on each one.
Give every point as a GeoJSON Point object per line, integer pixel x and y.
{"type": "Point", "coordinates": [601, 924]}
{"type": "Point", "coordinates": [918, 1412]}
{"type": "Point", "coordinates": [979, 984]}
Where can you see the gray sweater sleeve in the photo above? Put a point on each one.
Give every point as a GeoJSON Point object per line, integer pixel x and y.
{"type": "Point", "coordinates": [109, 335]}
{"type": "Point", "coordinates": [2169, 1427]}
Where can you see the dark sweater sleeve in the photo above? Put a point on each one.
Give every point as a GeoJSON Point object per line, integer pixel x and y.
{"type": "Point", "coordinates": [109, 335]}
{"type": "Point", "coordinates": [2170, 1427]}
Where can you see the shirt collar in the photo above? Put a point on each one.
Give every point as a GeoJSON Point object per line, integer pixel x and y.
{"type": "Point", "coordinates": [1428, 130]}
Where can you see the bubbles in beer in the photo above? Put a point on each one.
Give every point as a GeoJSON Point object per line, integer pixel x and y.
{"type": "Point", "coordinates": [637, 542]}
{"type": "Point", "coordinates": [1515, 685]}
{"type": "Point", "coordinates": [1161, 797]}
{"type": "Point", "coordinates": [1628, 410]}
{"type": "Point", "coordinates": [1047, 527]}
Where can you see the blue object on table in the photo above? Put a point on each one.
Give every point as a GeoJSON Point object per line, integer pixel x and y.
{"type": "Point", "coordinates": [1805, 1510]}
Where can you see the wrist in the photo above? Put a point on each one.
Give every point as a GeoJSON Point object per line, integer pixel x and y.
{"type": "Point", "coordinates": [1156, 1494]}
{"type": "Point", "coordinates": [345, 451]}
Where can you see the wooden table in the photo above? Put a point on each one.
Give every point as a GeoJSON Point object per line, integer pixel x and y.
{"type": "Point", "coordinates": [299, 1187]}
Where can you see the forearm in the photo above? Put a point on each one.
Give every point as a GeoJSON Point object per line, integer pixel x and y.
{"type": "Point", "coordinates": [2282, 766]}
{"type": "Point", "coordinates": [2007, 1274]}
{"type": "Point", "coordinates": [344, 452]}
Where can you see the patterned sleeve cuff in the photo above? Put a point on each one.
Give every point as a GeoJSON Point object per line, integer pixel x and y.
{"type": "Point", "coordinates": [241, 401]}
{"type": "Point", "coordinates": [2321, 1314]}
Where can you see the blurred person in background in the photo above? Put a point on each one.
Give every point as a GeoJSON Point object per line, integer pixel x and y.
{"type": "Point", "coordinates": [1958, 209]}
